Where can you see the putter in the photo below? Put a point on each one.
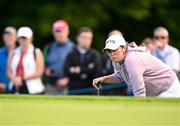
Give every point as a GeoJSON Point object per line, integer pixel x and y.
{"type": "Point", "coordinates": [99, 90]}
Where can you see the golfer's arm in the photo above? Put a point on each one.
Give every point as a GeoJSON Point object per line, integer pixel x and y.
{"type": "Point", "coordinates": [109, 79]}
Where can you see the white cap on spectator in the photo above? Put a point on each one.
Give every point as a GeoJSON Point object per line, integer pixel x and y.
{"type": "Point", "coordinates": [114, 42]}
{"type": "Point", "coordinates": [25, 32]}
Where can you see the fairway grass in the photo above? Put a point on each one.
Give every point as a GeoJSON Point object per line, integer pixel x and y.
{"type": "Point", "coordinates": [22, 110]}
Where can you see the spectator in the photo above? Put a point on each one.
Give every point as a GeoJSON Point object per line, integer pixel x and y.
{"type": "Point", "coordinates": [83, 63]}
{"type": "Point", "coordinates": [149, 44]}
{"type": "Point", "coordinates": [165, 52]}
{"type": "Point", "coordinates": [25, 65]}
{"type": "Point", "coordinates": [56, 54]}
{"type": "Point", "coordinates": [9, 38]}
{"type": "Point", "coordinates": [115, 32]}
{"type": "Point", "coordinates": [107, 69]}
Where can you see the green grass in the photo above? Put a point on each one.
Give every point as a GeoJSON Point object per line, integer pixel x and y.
{"type": "Point", "coordinates": [21, 110]}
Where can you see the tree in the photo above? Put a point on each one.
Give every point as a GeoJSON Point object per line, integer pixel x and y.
{"type": "Point", "coordinates": [135, 18]}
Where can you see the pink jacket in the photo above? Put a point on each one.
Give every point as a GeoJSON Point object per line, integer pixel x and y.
{"type": "Point", "coordinates": [143, 73]}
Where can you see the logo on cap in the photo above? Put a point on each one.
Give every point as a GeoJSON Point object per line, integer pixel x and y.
{"type": "Point", "coordinates": [110, 41]}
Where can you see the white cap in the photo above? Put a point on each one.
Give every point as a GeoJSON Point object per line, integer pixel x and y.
{"type": "Point", "coordinates": [24, 32]}
{"type": "Point", "coordinates": [10, 30]}
{"type": "Point", "coordinates": [114, 42]}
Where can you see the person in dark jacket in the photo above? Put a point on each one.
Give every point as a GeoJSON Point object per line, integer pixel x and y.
{"type": "Point", "coordinates": [83, 63]}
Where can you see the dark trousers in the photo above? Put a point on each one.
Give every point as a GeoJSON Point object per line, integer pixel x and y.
{"type": "Point", "coordinates": [21, 90]}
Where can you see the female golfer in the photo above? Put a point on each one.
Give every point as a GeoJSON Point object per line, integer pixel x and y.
{"type": "Point", "coordinates": [142, 72]}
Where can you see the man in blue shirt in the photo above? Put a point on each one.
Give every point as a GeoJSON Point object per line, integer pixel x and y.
{"type": "Point", "coordinates": [165, 52]}
{"type": "Point", "coordinates": [9, 38]}
{"type": "Point", "coordinates": [55, 57]}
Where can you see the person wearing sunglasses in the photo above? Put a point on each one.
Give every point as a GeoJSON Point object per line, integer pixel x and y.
{"type": "Point", "coordinates": [165, 52]}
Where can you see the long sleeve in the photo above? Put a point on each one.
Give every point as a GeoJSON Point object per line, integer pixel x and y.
{"type": "Point", "coordinates": [135, 69]}
{"type": "Point", "coordinates": [68, 64]}
{"type": "Point", "coordinates": [116, 75]}
{"type": "Point", "coordinates": [175, 61]}
{"type": "Point", "coordinates": [0, 75]}
{"type": "Point", "coordinates": [94, 67]}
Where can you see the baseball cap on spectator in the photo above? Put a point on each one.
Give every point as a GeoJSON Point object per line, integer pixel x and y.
{"type": "Point", "coordinates": [60, 25]}
{"type": "Point", "coordinates": [10, 30]}
{"type": "Point", "coordinates": [114, 42]}
{"type": "Point", "coordinates": [25, 32]}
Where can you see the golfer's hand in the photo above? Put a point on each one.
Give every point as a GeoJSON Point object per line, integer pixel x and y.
{"type": "Point", "coordinates": [97, 82]}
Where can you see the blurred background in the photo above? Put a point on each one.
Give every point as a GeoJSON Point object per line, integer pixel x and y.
{"type": "Point", "coordinates": [135, 18]}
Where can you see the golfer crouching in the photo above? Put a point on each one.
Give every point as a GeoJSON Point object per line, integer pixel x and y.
{"type": "Point", "coordinates": [143, 73]}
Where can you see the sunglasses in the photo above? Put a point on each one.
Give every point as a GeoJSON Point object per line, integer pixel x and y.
{"type": "Point", "coordinates": [160, 37]}
{"type": "Point", "coordinates": [58, 30]}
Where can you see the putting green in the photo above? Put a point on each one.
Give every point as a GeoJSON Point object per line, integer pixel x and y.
{"type": "Point", "coordinates": [21, 110]}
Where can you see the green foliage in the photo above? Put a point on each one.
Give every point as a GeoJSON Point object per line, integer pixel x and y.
{"type": "Point", "coordinates": [135, 18]}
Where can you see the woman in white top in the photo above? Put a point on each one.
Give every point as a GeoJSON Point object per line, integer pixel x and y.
{"type": "Point", "coordinates": [26, 65]}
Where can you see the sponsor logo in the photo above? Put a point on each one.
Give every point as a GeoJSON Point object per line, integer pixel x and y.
{"type": "Point", "coordinates": [110, 41]}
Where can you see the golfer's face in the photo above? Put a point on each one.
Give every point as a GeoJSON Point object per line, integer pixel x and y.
{"type": "Point", "coordinates": [116, 55]}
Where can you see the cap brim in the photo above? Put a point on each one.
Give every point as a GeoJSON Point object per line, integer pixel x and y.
{"type": "Point", "coordinates": [60, 28]}
{"type": "Point", "coordinates": [23, 36]}
{"type": "Point", "coordinates": [109, 48]}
